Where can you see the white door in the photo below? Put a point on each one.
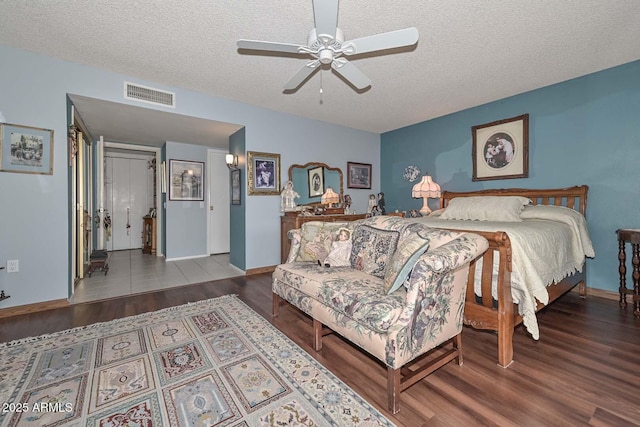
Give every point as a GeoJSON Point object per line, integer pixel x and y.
{"type": "Point", "coordinates": [127, 198]}
{"type": "Point", "coordinates": [140, 195]}
{"type": "Point", "coordinates": [219, 209]}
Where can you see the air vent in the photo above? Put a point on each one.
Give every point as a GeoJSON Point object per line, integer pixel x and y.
{"type": "Point", "coordinates": [149, 94]}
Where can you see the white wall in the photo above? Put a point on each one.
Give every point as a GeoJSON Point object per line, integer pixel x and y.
{"type": "Point", "coordinates": [34, 219]}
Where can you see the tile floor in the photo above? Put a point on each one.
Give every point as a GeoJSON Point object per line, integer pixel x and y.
{"type": "Point", "coordinates": [132, 272]}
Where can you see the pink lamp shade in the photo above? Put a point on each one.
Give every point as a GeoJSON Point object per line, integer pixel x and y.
{"type": "Point", "coordinates": [425, 189]}
{"type": "Point", "coordinates": [330, 197]}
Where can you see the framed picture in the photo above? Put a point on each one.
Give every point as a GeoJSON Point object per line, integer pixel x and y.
{"type": "Point", "coordinates": [186, 180]}
{"type": "Point", "coordinates": [358, 175]}
{"type": "Point", "coordinates": [263, 173]}
{"type": "Point", "coordinates": [25, 149]}
{"type": "Point", "coordinates": [235, 187]}
{"type": "Point", "coordinates": [316, 181]}
{"type": "Point", "coordinates": [500, 149]}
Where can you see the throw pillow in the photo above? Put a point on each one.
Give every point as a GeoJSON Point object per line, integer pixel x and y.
{"type": "Point", "coordinates": [316, 238]}
{"type": "Point", "coordinates": [486, 208]}
{"type": "Point", "coordinates": [410, 247]}
{"type": "Point", "coordinates": [372, 249]}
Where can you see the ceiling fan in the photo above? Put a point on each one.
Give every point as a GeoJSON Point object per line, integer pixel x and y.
{"type": "Point", "coordinates": [326, 45]}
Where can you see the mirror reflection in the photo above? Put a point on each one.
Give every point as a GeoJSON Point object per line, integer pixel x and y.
{"type": "Point", "coordinates": [320, 176]}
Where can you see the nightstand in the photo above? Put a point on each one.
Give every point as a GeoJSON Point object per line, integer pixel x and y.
{"type": "Point", "coordinates": [631, 235]}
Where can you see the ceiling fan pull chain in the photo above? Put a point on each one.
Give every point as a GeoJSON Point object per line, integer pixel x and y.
{"type": "Point", "coordinates": [321, 100]}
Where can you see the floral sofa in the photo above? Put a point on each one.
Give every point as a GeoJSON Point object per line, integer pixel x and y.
{"type": "Point", "coordinates": [402, 296]}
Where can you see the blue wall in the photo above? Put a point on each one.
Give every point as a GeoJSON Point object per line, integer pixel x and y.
{"type": "Point", "coordinates": [238, 230]}
{"type": "Point", "coordinates": [583, 131]}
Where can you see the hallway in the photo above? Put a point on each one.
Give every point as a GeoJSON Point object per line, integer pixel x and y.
{"type": "Point", "coordinates": [132, 272]}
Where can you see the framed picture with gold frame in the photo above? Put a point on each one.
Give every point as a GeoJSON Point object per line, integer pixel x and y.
{"type": "Point", "coordinates": [263, 173]}
{"type": "Point", "coordinates": [500, 149]}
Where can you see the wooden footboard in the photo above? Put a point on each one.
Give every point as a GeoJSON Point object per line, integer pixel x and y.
{"type": "Point", "coordinates": [502, 315]}
{"type": "Point", "coordinates": [483, 313]}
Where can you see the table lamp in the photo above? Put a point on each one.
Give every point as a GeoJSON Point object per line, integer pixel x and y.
{"type": "Point", "coordinates": [330, 197]}
{"type": "Point", "coordinates": [426, 189]}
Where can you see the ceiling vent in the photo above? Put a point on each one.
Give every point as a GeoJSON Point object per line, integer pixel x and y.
{"type": "Point", "coordinates": [149, 94]}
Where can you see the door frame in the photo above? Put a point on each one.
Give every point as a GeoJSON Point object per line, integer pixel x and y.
{"type": "Point", "coordinates": [80, 199]}
{"type": "Point", "coordinates": [159, 210]}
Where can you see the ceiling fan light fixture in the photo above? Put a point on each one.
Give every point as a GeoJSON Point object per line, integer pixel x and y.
{"type": "Point", "coordinates": [325, 56]}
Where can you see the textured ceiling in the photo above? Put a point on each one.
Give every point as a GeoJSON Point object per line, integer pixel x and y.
{"type": "Point", "coordinates": [469, 53]}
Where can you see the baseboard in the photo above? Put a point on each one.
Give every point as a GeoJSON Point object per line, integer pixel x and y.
{"type": "Point", "coordinates": [268, 269]}
{"type": "Point", "coordinates": [600, 293]}
{"type": "Point", "coordinates": [33, 308]}
{"type": "Point", "coordinates": [186, 257]}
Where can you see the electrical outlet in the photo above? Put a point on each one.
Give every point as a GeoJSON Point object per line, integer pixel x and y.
{"type": "Point", "coordinates": [13, 266]}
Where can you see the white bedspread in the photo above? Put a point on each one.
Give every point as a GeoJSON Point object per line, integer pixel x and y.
{"type": "Point", "coordinates": [550, 244]}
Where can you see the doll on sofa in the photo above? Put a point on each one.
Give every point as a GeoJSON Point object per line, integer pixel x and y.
{"type": "Point", "coordinates": [340, 250]}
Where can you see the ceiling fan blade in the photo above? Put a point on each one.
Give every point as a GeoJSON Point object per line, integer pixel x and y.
{"type": "Point", "coordinates": [325, 13]}
{"type": "Point", "coordinates": [351, 73]}
{"type": "Point", "coordinates": [390, 40]}
{"type": "Point", "coordinates": [303, 73]}
{"type": "Point", "coordinates": [270, 46]}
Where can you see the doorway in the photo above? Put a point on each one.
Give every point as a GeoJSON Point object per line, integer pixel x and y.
{"type": "Point", "coordinates": [128, 183]}
{"type": "Point", "coordinates": [148, 130]}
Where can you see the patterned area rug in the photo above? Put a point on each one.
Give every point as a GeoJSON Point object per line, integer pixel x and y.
{"type": "Point", "coordinates": [210, 363]}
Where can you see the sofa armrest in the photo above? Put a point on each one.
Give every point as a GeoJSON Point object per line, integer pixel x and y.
{"type": "Point", "coordinates": [435, 298]}
{"type": "Point", "coordinates": [453, 254]}
{"type": "Point", "coordinates": [296, 239]}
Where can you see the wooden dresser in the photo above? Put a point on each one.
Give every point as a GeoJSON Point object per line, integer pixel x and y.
{"type": "Point", "coordinates": [291, 221]}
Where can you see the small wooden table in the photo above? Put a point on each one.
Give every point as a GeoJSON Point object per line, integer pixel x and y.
{"type": "Point", "coordinates": [631, 235]}
{"type": "Point", "coordinates": [99, 261]}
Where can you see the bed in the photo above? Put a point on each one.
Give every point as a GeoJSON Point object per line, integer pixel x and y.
{"type": "Point", "coordinates": [505, 271]}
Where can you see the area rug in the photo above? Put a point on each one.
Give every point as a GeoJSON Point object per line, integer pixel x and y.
{"type": "Point", "coordinates": [210, 363]}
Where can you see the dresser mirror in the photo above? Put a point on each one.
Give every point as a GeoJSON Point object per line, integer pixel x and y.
{"type": "Point", "coordinates": [299, 175]}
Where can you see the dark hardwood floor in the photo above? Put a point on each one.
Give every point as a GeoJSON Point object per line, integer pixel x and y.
{"type": "Point", "coordinates": [584, 370]}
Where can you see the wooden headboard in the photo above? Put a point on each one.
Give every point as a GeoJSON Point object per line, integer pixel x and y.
{"type": "Point", "coordinates": [571, 197]}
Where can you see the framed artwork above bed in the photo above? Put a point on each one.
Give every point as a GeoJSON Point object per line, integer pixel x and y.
{"type": "Point", "coordinates": [500, 149]}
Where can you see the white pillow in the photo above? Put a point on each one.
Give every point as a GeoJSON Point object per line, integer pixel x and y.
{"type": "Point", "coordinates": [486, 208]}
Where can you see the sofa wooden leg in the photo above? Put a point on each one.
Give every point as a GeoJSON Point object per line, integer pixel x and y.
{"type": "Point", "coordinates": [457, 346]}
{"type": "Point", "coordinates": [393, 389]}
{"type": "Point", "coordinates": [317, 335]}
{"type": "Point", "coordinates": [276, 305]}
